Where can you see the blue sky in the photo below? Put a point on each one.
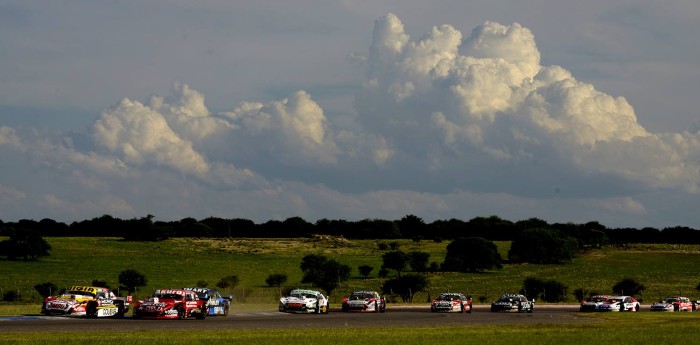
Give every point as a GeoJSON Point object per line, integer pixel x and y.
{"type": "Point", "coordinates": [561, 110]}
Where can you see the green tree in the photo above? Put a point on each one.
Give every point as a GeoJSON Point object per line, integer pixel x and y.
{"type": "Point", "coordinates": [365, 270]}
{"type": "Point", "coordinates": [100, 283]}
{"type": "Point", "coordinates": [25, 244]}
{"type": "Point", "coordinates": [395, 260]}
{"type": "Point", "coordinates": [549, 291]}
{"type": "Point", "coordinates": [130, 279]}
{"type": "Point", "coordinates": [276, 280]}
{"type": "Point", "coordinates": [472, 254]}
{"type": "Point", "coordinates": [406, 287]}
{"type": "Point", "coordinates": [228, 282]}
{"type": "Point", "coordinates": [628, 286]}
{"type": "Point", "coordinates": [542, 246]}
{"type": "Point", "coordinates": [418, 261]}
{"type": "Point", "coordinates": [327, 274]}
{"type": "Point", "coordinates": [46, 289]}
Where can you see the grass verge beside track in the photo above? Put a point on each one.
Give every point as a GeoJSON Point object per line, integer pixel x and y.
{"type": "Point", "coordinates": [640, 329]}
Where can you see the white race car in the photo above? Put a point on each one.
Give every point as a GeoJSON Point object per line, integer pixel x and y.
{"type": "Point", "coordinates": [619, 303]}
{"type": "Point", "coordinates": [364, 301]}
{"type": "Point", "coordinates": [673, 303]}
{"type": "Point", "coordinates": [304, 301]}
{"type": "Point", "coordinates": [593, 302]}
{"type": "Point", "coordinates": [452, 302]}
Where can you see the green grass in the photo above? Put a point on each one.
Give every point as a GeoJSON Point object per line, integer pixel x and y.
{"type": "Point", "coordinates": [664, 269]}
{"type": "Point", "coordinates": [638, 328]}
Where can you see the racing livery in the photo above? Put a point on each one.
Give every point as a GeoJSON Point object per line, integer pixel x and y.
{"type": "Point", "coordinates": [513, 302]}
{"type": "Point", "coordinates": [304, 301]}
{"type": "Point", "coordinates": [364, 301]}
{"type": "Point", "coordinates": [673, 303]}
{"type": "Point", "coordinates": [216, 304]}
{"type": "Point", "coordinates": [89, 301]}
{"type": "Point", "coordinates": [592, 303]}
{"type": "Point", "coordinates": [619, 303]}
{"type": "Point", "coordinates": [171, 304]}
{"type": "Point", "coordinates": [452, 302]}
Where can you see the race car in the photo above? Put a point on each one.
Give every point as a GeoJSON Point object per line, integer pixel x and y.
{"type": "Point", "coordinates": [304, 301]}
{"type": "Point", "coordinates": [216, 304]}
{"type": "Point", "coordinates": [364, 301]}
{"type": "Point", "coordinates": [619, 303]}
{"type": "Point", "coordinates": [673, 303]}
{"type": "Point", "coordinates": [452, 302]}
{"type": "Point", "coordinates": [513, 302]}
{"type": "Point", "coordinates": [88, 301]}
{"type": "Point", "coordinates": [593, 302]}
{"type": "Point", "coordinates": [171, 304]}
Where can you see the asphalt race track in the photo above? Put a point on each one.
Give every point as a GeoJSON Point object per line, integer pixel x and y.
{"type": "Point", "coordinates": [394, 317]}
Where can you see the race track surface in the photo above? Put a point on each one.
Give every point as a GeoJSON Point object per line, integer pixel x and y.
{"type": "Point", "coordinates": [394, 317]}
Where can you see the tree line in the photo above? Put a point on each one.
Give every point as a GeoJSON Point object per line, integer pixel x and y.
{"type": "Point", "coordinates": [493, 228]}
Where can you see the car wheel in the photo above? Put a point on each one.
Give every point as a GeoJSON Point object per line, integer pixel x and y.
{"type": "Point", "coordinates": [180, 313]}
{"type": "Point", "coordinates": [318, 308]}
{"type": "Point", "coordinates": [202, 314]}
{"type": "Point", "coordinates": [120, 310]}
{"type": "Point", "coordinates": [376, 306]}
{"type": "Point", "coordinates": [470, 308]}
{"type": "Point", "coordinates": [226, 308]}
{"type": "Point", "coordinates": [636, 308]}
{"type": "Point", "coordinates": [91, 310]}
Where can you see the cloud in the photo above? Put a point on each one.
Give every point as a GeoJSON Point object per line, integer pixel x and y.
{"type": "Point", "coordinates": [484, 100]}
{"type": "Point", "coordinates": [447, 125]}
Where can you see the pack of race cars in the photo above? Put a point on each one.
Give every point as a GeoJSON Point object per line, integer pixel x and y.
{"type": "Point", "coordinates": [197, 302]}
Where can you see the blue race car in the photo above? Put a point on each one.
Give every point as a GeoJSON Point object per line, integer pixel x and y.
{"type": "Point", "coordinates": [218, 305]}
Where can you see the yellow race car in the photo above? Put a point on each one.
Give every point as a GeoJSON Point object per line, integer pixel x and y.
{"type": "Point", "coordinates": [86, 301]}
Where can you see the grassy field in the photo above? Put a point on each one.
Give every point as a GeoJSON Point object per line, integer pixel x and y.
{"type": "Point", "coordinates": [637, 328]}
{"type": "Point", "coordinates": [663, 269]}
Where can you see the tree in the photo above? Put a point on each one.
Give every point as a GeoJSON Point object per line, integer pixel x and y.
{"type": "Point", "coordinates": [228, 282]}
{"type": "Point", "coordinates": [472, 254]}
{"type": "Point", "coordinates": [395, 260]}
{"type": "Point", "coordinates": [324, 273]}
{"type": "Point", "coordinates": [542, 246]}
{"type": "Point", "coordinates": [406, 287]}
{"type": "Point", "coordinates": [24, 243]}
{"type": "Point", "coordinates": [143, 229]}
{"type": "Point", "coordinates": [100, 283]}
{"type": "Point", "coordinates": [532, 288]}
{"type": "Point", "coordinates": [628, 286]}
{"type": "Point", "coordinates": [549, 291]}
{"type": "Point", "coordinates": [418, 261]}
{"type": "Point", "coordinates": [365, 270]}
{"type": "Point", "coordinates": [46, 289]}
{"type": "Point", "coordinates": [276, 280]}
{"type": "Point", "coordinates": [130, 279]}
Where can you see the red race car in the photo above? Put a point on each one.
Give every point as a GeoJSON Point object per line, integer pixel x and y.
{"type": "Point", "coordinates": [452, 302]}
{"type": "Point", "coordinates": [171, 304]}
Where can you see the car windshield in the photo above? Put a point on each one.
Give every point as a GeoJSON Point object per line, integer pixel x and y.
{"type": "Point", "coordinates": [614, 300]}
{"type": "Point", "coordinates": [597, 299]}
{"type": "Point", "coordinates": [449, 297]}
{"type": "Point", "coordinates": [672, 299]}
{"type": "Point", "coordinates": [79, 294]}
{"type": "Point", "coordinates": [356, 297]}
{"type": "Point", "coordinates": [298, 295]}
{"type": "Point", "coordinates": [507, 299]}
{"type": "Point", "coordinates": [168, 296]}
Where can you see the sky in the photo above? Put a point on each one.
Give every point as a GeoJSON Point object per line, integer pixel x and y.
{"type": "Point", "coordinates": [567, 111]}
